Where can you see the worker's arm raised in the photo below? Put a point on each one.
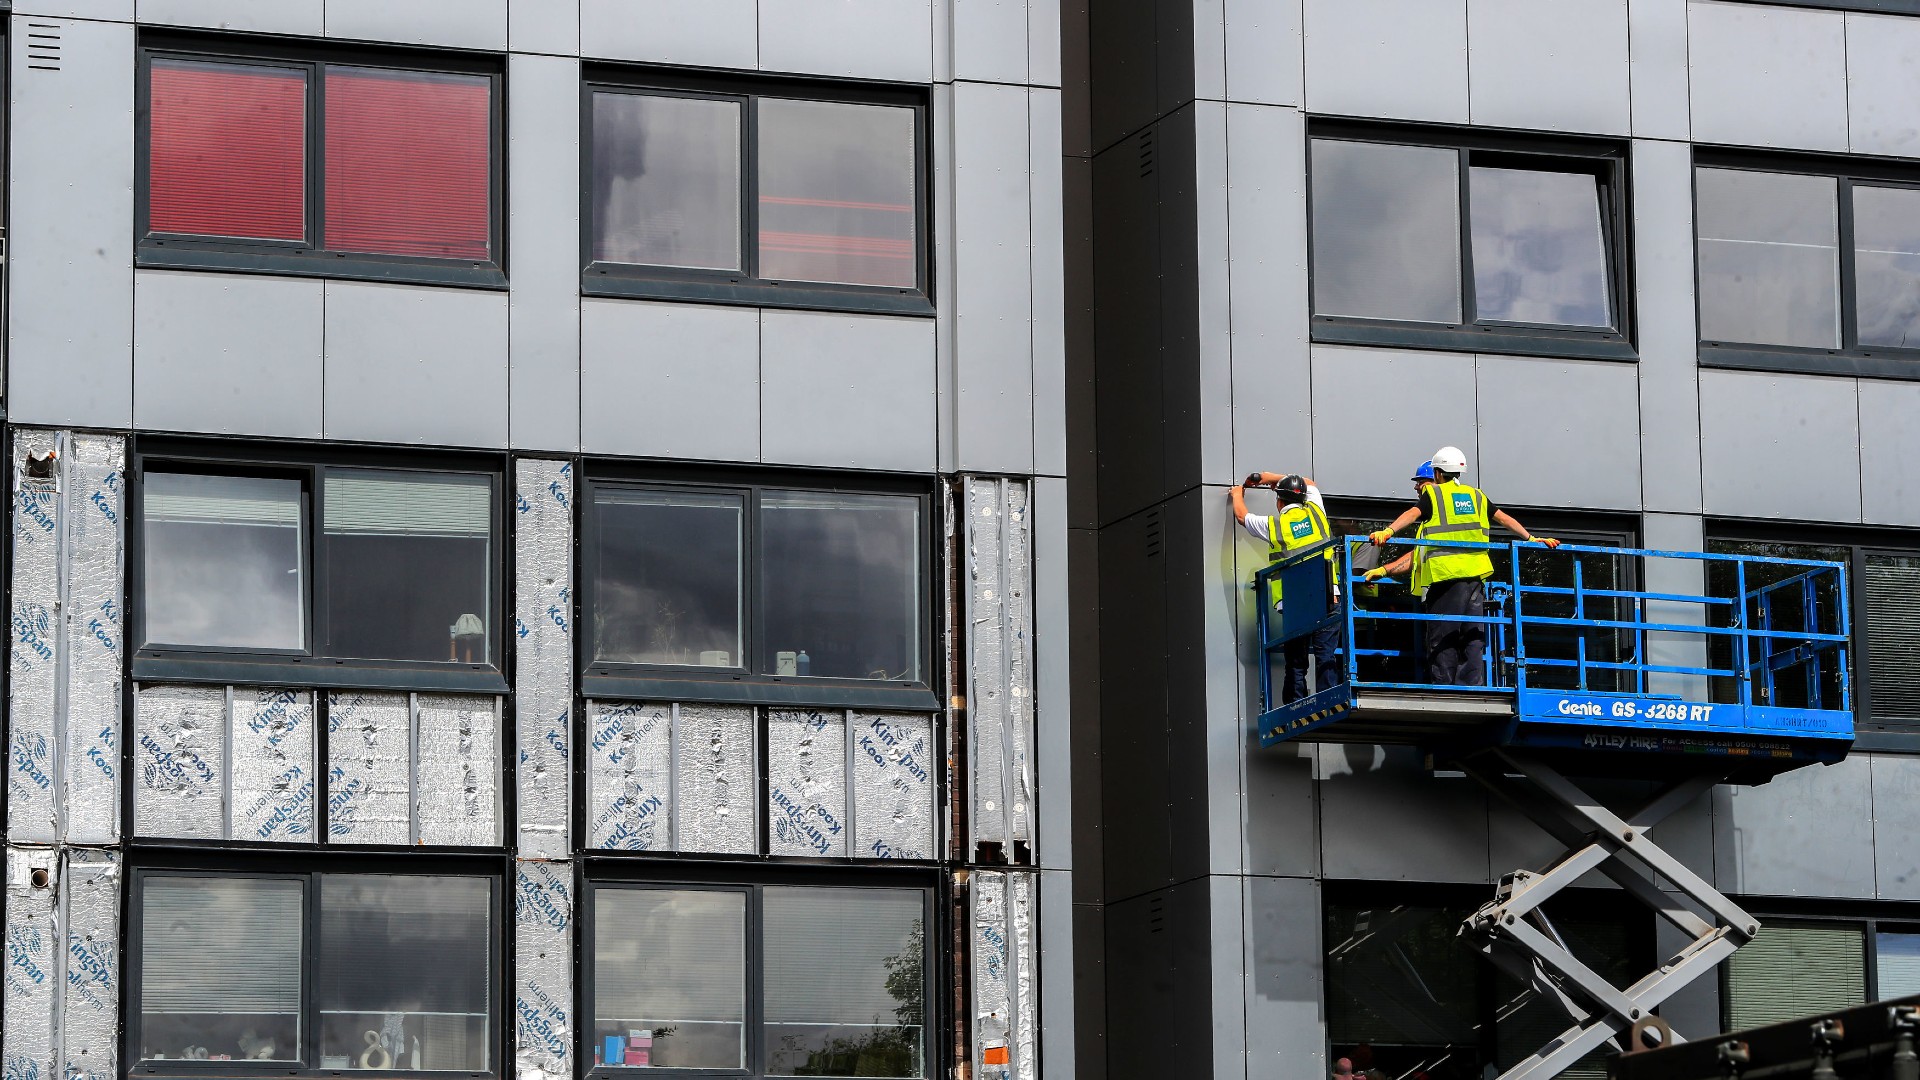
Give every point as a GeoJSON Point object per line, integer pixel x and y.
{"type": "Point", "coordinates": [1239, 503]}
{"type": "Point", "coordinates": [1407, 517]}
{"type": "Point", "coordinates": [1506, 521]}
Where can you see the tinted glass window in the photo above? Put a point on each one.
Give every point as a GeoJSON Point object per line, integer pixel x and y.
{"type": "Point", "coordinates": [408, 566]}
{"type": "Point", "coordinates": [1774, 597]}
{"type": "Point", "coordinates": [1768, 258]}
{"type": "Point", "coordinates": [1886, 254]}
{"type": "Point", "coordinates": [845, 986]}
{"type": "Point", "coordinates": [670, 978]}
{"type": "Point", "coordinates": [1539, 253]}
{"type": "Point", "coordinates": [224, 564]}
{"type": "Point", "coordinates": [1896, 963]}
{"type": "Point", "coordinates": [220, 969]}
{"type": "Point", "coordinates": [1386, 231]}
{"type": "Point", "coordinates": [666, 180]}
{"type": "Point", "coordinates": [1890, 591]}
{"type": "Point", "coordinates": [409, 163]}
{"type": "Point", "coordinates": [227, 150]}
{"type": "Point", "coordinates": [837, 193]}
{"type": "Point", "coordinates": [1794, 970]}
{"type": "Point", "coordinates": [840, 585]}
{"type": "Point", "coordinates": [671, 586]}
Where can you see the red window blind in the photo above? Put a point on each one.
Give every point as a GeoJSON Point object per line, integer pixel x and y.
{"type": "Point", "coordinates": [408, 157]}
{"type": "Point", "coordinates": [227, 150]}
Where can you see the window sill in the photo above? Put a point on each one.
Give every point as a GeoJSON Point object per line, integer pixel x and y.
{"type": "Point", "coordinates": [1506, 340]}
{"type": "Point", "coordinates": [1887, 742]}
{"type": "Point", "coordinates": [600, 281]}
{"type": "Point", "coordinates": [465, 275]}
{"type": "Point", "coordinates": [302, 672]}
{"type": "Point", "coordinates": [758, 690]}
{"type": "Point", "coordinates": [1887, 365]}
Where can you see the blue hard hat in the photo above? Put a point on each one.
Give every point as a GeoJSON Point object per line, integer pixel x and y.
{"type": "Point", "coordinates": [1424, 472]}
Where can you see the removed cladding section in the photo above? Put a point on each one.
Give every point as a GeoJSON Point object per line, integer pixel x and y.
{"type": "Point", "coordinates": [33, 669]}
{"type": "Point", "coordinates": [369, 768]}
{"type": "Point", "coordinates": [999, 613]}
{"type": "Point", "coordinates": [34, 959]}
{"type": "Point", "coordinates": [543, 687]}
{"type": "Point", "coordinates": [807, 783]}
{"type": "Point", "coordinates": [179, 759]}
{"type": "Point", "coordinates": [90, 1006]}
{"type": "Point", "coordinates": [630, 776]}
{"type": "Point", "coordinates": [892, 762]}
{"type": "Point", "coordinates": [273, 765]}
{"type": "Point", "coordinates": [543, 971]}
{"type": "Point", "coordinates": [716, 780]}
{"type": "Point", "coordinates": [94, 467]}
{"type": "Point", "coordinates": [1005, 986]}
{"type": "Point", "coordinates": [458, 788]}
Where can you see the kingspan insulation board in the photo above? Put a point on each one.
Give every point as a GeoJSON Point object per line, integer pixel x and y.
{"type": "Point", "coordinates": [273, 785]}
{"type": "Point", "coordinates": [90, 1007]}
{"type": "Point", "coordinates": [457, 788]}
{"type": "Point", "coordinates": [716, 780]}
{"type": "Point", "coordinates": [34, 961]}
{"type": "Point", "coordinates": [999, 633]}
{"type": "Point", "coordinates": [807, 783]}
{"type": "Point", "coordinates": [1005, 976]}
{"type": "Point", "coordinates": [179, 762]}
{"type": "Point", "coordinates": [543, 686]}
{"type": "Point", "coordinates": [33, 683]}
{"type": "Point", "coordinates": [543, 920]}
{"type": "Point", "coordinates": [94, 468]}
{"type": "Point", "coordinates": [630, 776]}
{"type": "Point", "coordinates": [369, 768]}
{"type": "Point", "coordinates": [892, 766]}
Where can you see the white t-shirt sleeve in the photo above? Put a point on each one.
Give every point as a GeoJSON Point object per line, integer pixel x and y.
{"type": "Point", "coordinates": [1260, 527]}
{"type": "Point", "coordinates": [1313, 496]}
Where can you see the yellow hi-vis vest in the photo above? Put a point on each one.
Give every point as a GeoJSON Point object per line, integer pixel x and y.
{"type": "Point", "coordinates": [1459, 513]}
{"type": "Point", "coordinates": [1296, 526]}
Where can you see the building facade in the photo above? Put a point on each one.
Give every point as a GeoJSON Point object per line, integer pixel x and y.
{"type": "Point", "coordinates": [1649, 263]}
{"type": "Point", "coordinates": [538, 539]}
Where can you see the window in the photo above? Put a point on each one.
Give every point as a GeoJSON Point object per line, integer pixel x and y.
{"type": "Point", "coordinates": [1883, 574]}
{"type": "Point", "coordinates": [284, 974]}
{"type": "Point", "coordinates": [761, 980]}
{"type": "Point", "coordinates": [242, 568]}
{"type": "Point", "coordinates": [328, 163]}
{"type": "Point", "coordinates": [746, 593]}
{"type": "Point", "coordinates": [1468, 242]}
{"type": "Point", "coordinates": [1804, 269]}
{"type": "Point", "coordinates": [1804, 966]}
{"type": "Point", "coordinates": [796, 195]}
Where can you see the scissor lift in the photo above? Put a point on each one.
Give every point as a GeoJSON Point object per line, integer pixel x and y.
{"type": "Point", "coordinates": [1748, 684]}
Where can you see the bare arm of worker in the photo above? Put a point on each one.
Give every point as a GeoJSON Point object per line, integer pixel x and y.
{"type": "Point", "coordinates": [1239, 503]}
{"type": "Point", "coordinates": [1506, 521]}
{"type": "Point", "coordinates": [1407, 517]}
{"type": "Point", "coordinates": [1396, 568]}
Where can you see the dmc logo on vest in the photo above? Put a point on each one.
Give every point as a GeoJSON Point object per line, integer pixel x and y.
{"type": "Point", "coordinates": [1462, 503]}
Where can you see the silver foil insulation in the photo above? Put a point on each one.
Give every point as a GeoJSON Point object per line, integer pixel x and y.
{"type": "Point", "coordinates": [543, 920]}
{"type": "Point", "coordinates": [543, 661]}
{"type": "Point", "coordinates": [61, 1003]}
{"type": "Point", "coordinates": [1006, 965]}
{"type": "Point", "coordinates": [998, 608]}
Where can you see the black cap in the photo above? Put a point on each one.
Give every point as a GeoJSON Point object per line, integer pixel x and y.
{"type": "Point", "coordinates": [1291, 488]}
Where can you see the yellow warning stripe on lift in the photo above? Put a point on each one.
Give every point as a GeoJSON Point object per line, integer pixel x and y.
{"type": "Point", "coordinates": [1314, 718]}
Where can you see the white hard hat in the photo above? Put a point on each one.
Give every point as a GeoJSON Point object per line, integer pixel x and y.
{"type": "Point", "coordinates": [1450, 459]}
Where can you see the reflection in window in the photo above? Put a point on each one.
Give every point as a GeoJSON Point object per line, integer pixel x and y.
{"type": "Point", "coordinates": [1769, 258]}
{"type": "Point", "coordinates": [669, 588]}
{"type": "Point", "coordinates": [845, 989]}
{"type": "Point", "coordinates": [407, 565]}
{"type": "Point", "coordinates": [1889, 586]}
{"type": "Point", "coordinates": [1386, 231]}
{"type": "Point", "coordinates": [1794, 970]}
{"type": "Point", "coordinates": [1773, 598]}
{"type": "Point", "coordinates": [223, 561]}
{"type": "Point", "coordinates": [669, 978]}
{"type": "Point", "coordinates": [1896, 962]}
{"type": "Point", "coordinates": [1539, 253]}
{"type": "Point", "coordinates": [840, 586]}
{"type": "Point", "coordinates": [220, 969]}
{"type": "Point", "coordinates": [1886, 254]}
{"type": "Point", "coordinates": [666, 180]}
{"type": "Point", "coordinates": [837, 193]}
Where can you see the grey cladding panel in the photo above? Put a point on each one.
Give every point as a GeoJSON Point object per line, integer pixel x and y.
{"type": "Point", "coordinates": [1533, 453]}
{"type": "Point", "coordinates": [1782, 446]}
{"type": "Point", "coordinates": [416, 365]}
{"type": "Point", "coordinates": [1896, 825]}
{"type": "Point", "coordinates": [1804, 834]}
{"type": "Point", "coordinates": [670, 380]}
{"type": "Point", "coordinates": [1263, 51]}
{"type": "Point", "coordinates": [1657, 68]}
{"type": "Point", "coordinates": [992, 287]}
{"type": "Point", "coordinates": [1549, 64]}
{"type": "Point", "coordinates": [1383, 818]}
{"type": "Point", "coordinates": [544, 26]}
{"type": "Point", "coordinates": [1380, 412]}
{"type": "Point", "coordinates": [1405, 59]}
{"type": "Point", "coordinates": [857, 39]}
{"type": "Point", "coordinates": [1267, 212]}
{"type": "Point", "coordinates": [1669, 366]}
{"type": "Point", "coordinates": [228, 353]}
{"type": "Point", "coordinates": [70, 266]}
{"type": "Point", "coordinates": [1059, 960]}
{"type": "Point", "coordinates": [1284, 974]}
{"type": "Point", "coordinates": [463, 24]}
{"type": "Point", "coordinates": [103, 10]}
{"type": "Point", "coordinates": [711, 33]}
{"type": "Point", "coordinates": [1052, 636]}
{"type": "Point", "coordinates": [304, 17]}
{"type": "Point", "coordinates": [1764, 75]}
{"type": "Point", "coordinates": [1882, 84]}
{"type": "Point", "coordinates": [847, 391]}
{"type": "Point", "coordinates": [1889, 445]}
{"type": "Point", "coordinates": [1048, 231]}
{"type": "Point", "coordinates": [990, 40]}
{"type": "Point", "coordinates": [543, 222]}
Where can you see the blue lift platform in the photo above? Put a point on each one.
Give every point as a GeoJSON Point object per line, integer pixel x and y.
{"type": "Point", "coordinates": [1584, 675]}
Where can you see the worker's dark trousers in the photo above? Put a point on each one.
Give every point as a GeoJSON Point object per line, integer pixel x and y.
{"type": "Point", "coordinates": [1324, 644]}
{"type": "Point", "coordinates": [1456, 651]}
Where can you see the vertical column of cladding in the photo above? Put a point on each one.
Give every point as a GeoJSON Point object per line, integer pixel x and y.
{"type": "Point", "coordinates": [457, 770]}
{"type": "Point", "coordinates": [543, 970]}
{"type": "Point", "coordinates": [543, 661]}
{"type": "Point", "coordinates": [33, 683]}
{"type": "Point", "coordinates": [1006, 965]}
{"type": "Point", "coordinates": [94, 467]}
{"type": "Point", "coordinates": [369, 768]}
{"type": "Point", "coordinates": [180, 762]}
{"type": "Point", "coordinates": [272, 788]}
{"type": "Point", "coordinates": [999, 614]}
{"type": "Point", "coordinates": [60, 1005]}
{"type": "Point", "coordinates": [807, 783]}
{"type": "Point", "coordinates": [630, 776]}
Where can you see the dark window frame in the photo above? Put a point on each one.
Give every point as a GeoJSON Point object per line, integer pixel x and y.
{"type": "Point", "coordinates": [311, 666]}
{"type": "Point", "coordinates": [310, 258]}
{"type": "Point", "coordinates": [1868, 735]}
{"type": "Point", "coordinates": [744, 684]}
{"type": "Point", "coordinates": [603, 871]}
{"type": "Point", "coordinates": [744, 286]}
{"type": "Point", "coordinates": [306, 866]}
{"type": "Point", "coordinates": [1879, 361]}
{"type": "Point", "coordinates": [1873, 917]}
{"type": "Point", "coordinates": [1605, 159]}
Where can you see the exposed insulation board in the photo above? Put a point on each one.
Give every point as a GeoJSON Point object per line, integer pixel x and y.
{"type": "Point", "coordinates": [94, 470]}
{"type": "Point", "coordinates": [179, 762]}
{"type": "Point", "coordinates": [458, 790]}
{"type": "Point", "coordinates": [893, 767]}
{"type": "Point", "coordinates": [273, 765]}
{"type": "Point", "coordinates": [543, 921]}
{"type": "Point", "coordinates": [33, 966]}
{"type": "Point", "coordinates": [33, 667]}
{"type": "Point", "coordinates": [630, 776]}
{"type": "Point", "coordinates": [90, 1006]}
{"type": "Point", "coordinates": [999, 613]}
{"type": "Point", "coordinates": [1005, 982]}
{"type": "Point", "coordinates": [716, 780]}
{"type": "Point", "coordinates": [543, 686]}
{"type": "Point", "coordinates": [807, 783]}
{"type": "Point", "coordinates": [369, 769]}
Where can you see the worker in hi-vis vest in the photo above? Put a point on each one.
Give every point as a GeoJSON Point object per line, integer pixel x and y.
{"type": "Point", "coordinates": [1451, 582]}
{"type": "Point", "coordinates": [1299, 522]}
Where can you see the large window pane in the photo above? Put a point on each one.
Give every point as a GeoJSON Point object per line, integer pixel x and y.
{"type": "Point", "coordinates": [227, 146]}
{"type": "Point", "coordinates": [666, 181]}
{"type": "Point", "coordinates": [1386, 231]}
{"type": "Point", "coordinates": [837, 193]}
{"type": "Point", "coordinates": [669, 978]}
{"type": "Point", "coordinates": [1890, 589]}
{"type": "Point", "coordinates": [1402, 984]}
{"type": "Point", "coordinates": [1539, 253]}
{"type": "Point", "coordinates": [407, 566]}
{"type": "Point", "coordinates": [1794, 970]}
{"type": "Point", "coordinates": [1769, 258]}
{"type": "Point", "coordinates": [840, 584]}
{"type": "Point", "coordinates": [224, 565]}
{"type": "Point", "coordinates": [1775, 598]}
{"type": "Point", "coordinates": [845, 989]}
{"type": "Point", "coordinates": [1896, 962]}
{"type": "Point", "coordinates": [669, 588]}
{"type": "Point", "coordinates": [405, 972]}
{"type": "Point", "coordinates": [1886, 252]}
{"type": "Point", "coordinates": [409, 163]}
{"type": "Point", "coordinates": [220, 968]}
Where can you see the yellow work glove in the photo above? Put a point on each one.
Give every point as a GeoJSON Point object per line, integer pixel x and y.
{"type": "Point", "coordinates": [1547, 540]}
{"type": "Point", "coordinates": [1380, 537]}
{"type": "Point", "coordinates": [1376, 573]}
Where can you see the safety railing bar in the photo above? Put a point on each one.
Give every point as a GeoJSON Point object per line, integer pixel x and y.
{"type": "Point", "coordinates": [1680, 628]}
{"type": "Point", "coordinates": [1628, 594]}
{"type": "Point", "coordinates": [1617, 665]}
{"type": "Point", "coordinates": [1797, 579]}
{"type": "Point", "coordinates": [1367, 685]}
